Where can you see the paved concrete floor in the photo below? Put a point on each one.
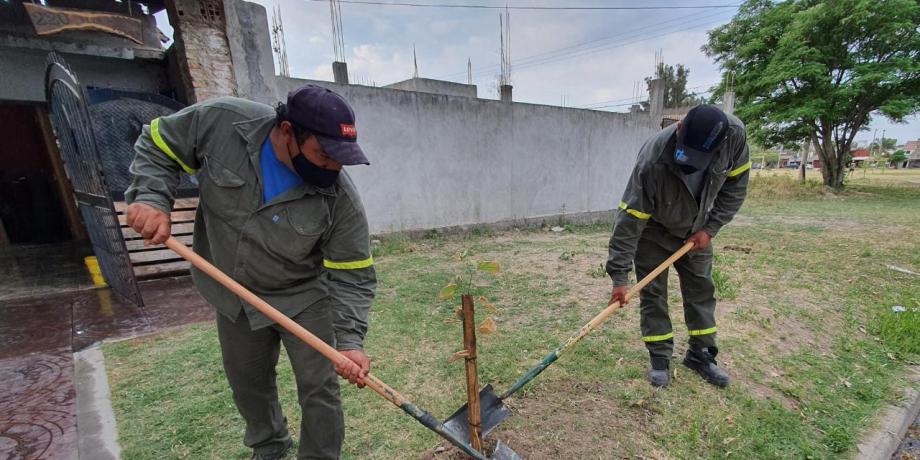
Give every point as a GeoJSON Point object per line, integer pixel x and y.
{"type": "Point", "coordinates": [43, 269]}
{"type": "Point", "coordinates": [38, 335]}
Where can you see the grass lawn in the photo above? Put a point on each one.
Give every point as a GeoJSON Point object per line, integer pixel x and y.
{"type": "Point", "coordinates": [806, 329]}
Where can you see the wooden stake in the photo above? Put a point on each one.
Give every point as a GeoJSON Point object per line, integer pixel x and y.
{"type": "Point", "coordinates": [472, 379]}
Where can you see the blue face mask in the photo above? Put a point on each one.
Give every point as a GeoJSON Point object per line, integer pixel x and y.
{"type": "Point", "coordinates": [310, 173]}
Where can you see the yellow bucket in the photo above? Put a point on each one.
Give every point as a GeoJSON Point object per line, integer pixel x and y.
{"type": "Point", "coordinates": [92, 264]}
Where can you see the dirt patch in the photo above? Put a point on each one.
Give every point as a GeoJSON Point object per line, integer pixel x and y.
{"type": "Point", "coordinates": [781, 331]}
{"type": "Point", "coordinates": [754, 317]}
{"type": "Point", "coordinates": [447, 451]}
{"type": "Point", "coordinates": [547, 259]}
{"type": "Point", "coordinates": [575, 420]}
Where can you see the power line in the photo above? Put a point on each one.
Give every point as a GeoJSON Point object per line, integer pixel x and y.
{"type": "Point", "coordinates": [561, 53]}
{"type": "Point", "coordinates": [534, 7]}
{"type": "Point", "coordinates": [630, 103]}
{"type": "Point", "coordinates": [616, 105]}
{"type": "Point", "coordinates": [586, 106]}
{"type": "Point", "coordinates": [703, 21]}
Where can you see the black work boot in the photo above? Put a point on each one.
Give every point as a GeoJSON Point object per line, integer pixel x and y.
{"type": "Point", "coordinates": [658, 374]}
{"type": "Point", "coordinates": [277, 454]}
{"type": "Point", "coordinates": [703, 361]}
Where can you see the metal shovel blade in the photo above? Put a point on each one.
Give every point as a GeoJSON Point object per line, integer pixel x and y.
{"type": "Point", "coordinates": [491, 412]}
{"type": "Point", "coordinates": [503, 452]}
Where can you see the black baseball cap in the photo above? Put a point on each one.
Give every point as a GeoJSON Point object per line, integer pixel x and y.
{"type": "Point", "coordinates": [700, 133]}
{"type": "Point", "coordinates": [327, 116]}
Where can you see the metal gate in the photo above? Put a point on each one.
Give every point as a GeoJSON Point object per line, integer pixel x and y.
{"type": "Point", "coordinates": [74, 131]}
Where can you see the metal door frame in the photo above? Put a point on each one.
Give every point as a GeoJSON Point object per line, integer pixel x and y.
{"type": "Point", "coordinates": [73, 130]}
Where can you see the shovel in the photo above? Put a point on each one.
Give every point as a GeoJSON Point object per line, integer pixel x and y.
{"type": "Point", "coordinates": [491, 409]}
{"type": "Point", "coordinates": [332, 354]}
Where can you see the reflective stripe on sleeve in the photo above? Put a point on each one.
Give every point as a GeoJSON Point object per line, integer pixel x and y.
{"type": "Point", "coordinates": [158, 140]}
{"type": "Point", "coordinates": [740, 169]}
{"type": "Point", "coordinates": [354, 265]}
{"type": "Point", "coordinates": [635, 213]}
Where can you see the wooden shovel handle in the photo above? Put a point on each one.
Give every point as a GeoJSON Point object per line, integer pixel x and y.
{"type": "Point", "coordinates": [657, 271]}
{"type": "Point", "coordinates": [614, 306]}
{"type": "Point", "coordinates": [593, 324]}
{"type": "Point", "coordinates": [313, 341]}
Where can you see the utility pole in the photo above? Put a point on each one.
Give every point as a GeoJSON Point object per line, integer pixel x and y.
{"type": "Point", "coordinates": [873, 144]}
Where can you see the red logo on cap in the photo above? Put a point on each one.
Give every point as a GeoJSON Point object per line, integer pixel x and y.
{"type": "Point", "coordinates": [349, 130]}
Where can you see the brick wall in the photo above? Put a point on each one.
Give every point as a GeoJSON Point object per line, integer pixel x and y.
{"type": "Point", "coordinates": [205, 65]}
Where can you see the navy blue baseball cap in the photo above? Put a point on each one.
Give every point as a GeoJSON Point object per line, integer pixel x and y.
{"type": "Point", "coordinates": [327, 116]}
{"type": "Point", "coordinates": [700, 133]}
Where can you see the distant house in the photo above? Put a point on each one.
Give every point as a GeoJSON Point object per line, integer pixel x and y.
{"type": "Point", "coordinates": [794, 160]}
{"type": "Point", "coordinates": [912, 149]}
{"type": "Point", "coordinates": [861, 155]}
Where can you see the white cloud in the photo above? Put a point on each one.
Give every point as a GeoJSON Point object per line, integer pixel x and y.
{"type": "Point", "coordinates": [381, 64]}
{"type": "Point", "coordinates": [322, 72]}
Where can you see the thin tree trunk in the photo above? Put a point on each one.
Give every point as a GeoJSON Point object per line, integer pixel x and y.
{"type": "Point", "coordinates": [808, 147]}
{"type": "Point", "coordinates": [839, 168]}
{"type": "Point", "coordinates": [837, 159]}
{"type": "Point", "coordinates": [826, 160]}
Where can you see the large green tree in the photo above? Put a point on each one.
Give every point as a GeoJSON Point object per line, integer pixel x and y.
{"type": "Point", "coordinates": [822, 68]}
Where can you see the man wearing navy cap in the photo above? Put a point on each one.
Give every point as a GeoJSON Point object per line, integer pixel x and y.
{"type": "Point", "coordinates": [278, 213]}
{"type": "Point", "coordinates": [689, 181]}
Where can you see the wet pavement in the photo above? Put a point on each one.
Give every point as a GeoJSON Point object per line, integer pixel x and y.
{"type": "Point", "coordinates": [43, 269]}
{"type": "Point", "coordinates": [37, 338]}
{"type": "Point", "coordinates": [38, 407]}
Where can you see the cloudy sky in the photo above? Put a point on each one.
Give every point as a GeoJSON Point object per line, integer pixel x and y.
{"type": "Point", "coordinates": [582, 58]}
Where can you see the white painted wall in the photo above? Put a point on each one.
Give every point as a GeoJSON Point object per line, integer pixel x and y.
{"type": "Point", "coordinates": [441, 161]}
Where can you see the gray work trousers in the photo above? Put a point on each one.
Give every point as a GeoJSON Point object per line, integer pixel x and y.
{"type": "Point", "coordinates": [695, 273]}
{"type": "Point", "coordinates": [249, 360]}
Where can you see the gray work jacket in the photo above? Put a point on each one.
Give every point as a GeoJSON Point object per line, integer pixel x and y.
{"type": "Point", "coordinates": [658, 195]}
{"type": "Point", "coordinates": [305, 246]}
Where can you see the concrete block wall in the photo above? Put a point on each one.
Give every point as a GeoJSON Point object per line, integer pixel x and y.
{"type": "Point", "coordinates": [204, 57]}
{"type": "Point", "coordinates": [250, 49]}
{"type": "Point", "coordinates": [444, 161]}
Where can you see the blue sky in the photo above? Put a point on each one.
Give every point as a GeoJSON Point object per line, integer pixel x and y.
{"type": "Point", "coordinates": [603, 53]}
